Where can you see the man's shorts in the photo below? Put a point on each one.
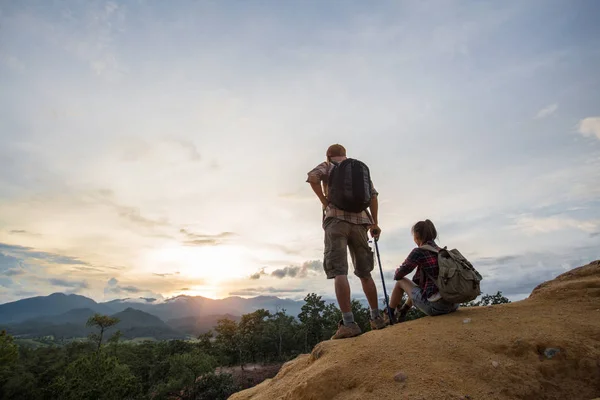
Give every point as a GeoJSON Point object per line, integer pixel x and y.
{"type": "Point", "coordinates": [341, 235]}
{"type": "Point", "coordinates": [431, 308]}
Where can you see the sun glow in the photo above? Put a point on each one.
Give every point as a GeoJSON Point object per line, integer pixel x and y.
{"type": "Point", "coordinates": [211, 265]}
{"type": "Point", "coordinates": [212, 292]}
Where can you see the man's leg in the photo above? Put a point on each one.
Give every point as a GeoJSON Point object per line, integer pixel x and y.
{"type": "Point", "coordinates": [364, 260]}
{"type": "Point", "coordinates": [368, 285]}
{"type": "Point", "coordinates": [342, 293]}
{"type": "Point", "coordinates": [335, 264]}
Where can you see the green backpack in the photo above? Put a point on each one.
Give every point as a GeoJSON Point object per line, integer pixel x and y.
{"type": "Point", "coordinates": [458, 281]}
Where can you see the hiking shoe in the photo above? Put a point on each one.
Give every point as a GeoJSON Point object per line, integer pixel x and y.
{"type": "Point", "coordinates": [346, 331]}
{"type": "Point", "coordinates": [378, 323]}
{"type": "Point", "coordinates": [401, 314]}
{"type": "Point", "coordinates": [386, 317]}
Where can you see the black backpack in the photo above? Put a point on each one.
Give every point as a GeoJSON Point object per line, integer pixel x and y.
{"type": "Point", "coordinates": [349, 186]}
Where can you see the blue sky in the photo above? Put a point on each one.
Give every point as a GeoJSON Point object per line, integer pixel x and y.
{"type": "Point", "coordinates": [155, 149]}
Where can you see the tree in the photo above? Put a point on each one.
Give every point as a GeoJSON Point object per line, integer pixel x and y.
{"type": "Point", "coordinates": [184, 371]}
{"type": "Point", "coordinates": [280, 331]}
{"type": "Point", "coordinates": [252, 333]}
{"type": "Point", "coordinates": [102, 322]}
{"type": "Point", "coordinates": [205, 342]}
{"type": "Point", "coordinates": [488, 300]}
{"type": "Point", "coordinates": [9, 355]}
{"type": "Point", "coordinates": [95, 377]}
{"type": "Point", "coordinates": [114, 341]}
{"type": "Point", "coordinates": [312, 320]}
{"type": "Point", "coordinates": [9, 352]}
{"type": "Point", "coordinates": [228, 340]}
{"type": "Point", "coordinates": [215, 387]}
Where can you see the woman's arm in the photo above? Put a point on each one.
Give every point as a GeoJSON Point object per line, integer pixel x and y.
{"type": "Point", "coordinates": [411, 262]}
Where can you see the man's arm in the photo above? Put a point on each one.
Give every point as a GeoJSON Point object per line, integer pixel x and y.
{"type": "Point", "coordinates": [318, 189]}
{"type": "Point", "coordinates": [315, 176]}
{"type": "Point", "coordinates": [374, 207]}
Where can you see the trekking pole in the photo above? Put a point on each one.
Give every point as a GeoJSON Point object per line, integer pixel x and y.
{"type": "Point", "coordinates": [387, 304]}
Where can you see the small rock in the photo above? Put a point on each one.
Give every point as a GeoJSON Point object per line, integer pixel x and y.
{"type": "Point", "coordinates": [400, 377]}
{"type": "Point", "coordinates": [495, 364]}
{"type": "Point", "coordinates": [551, 352]}
{"type": "Point", "coordinates": [466, 320]}
{"type": "Point", "coordinates": [465, 397]}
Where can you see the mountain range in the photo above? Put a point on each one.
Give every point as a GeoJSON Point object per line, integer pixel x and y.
{"type": "Point", "coordinates": [176, 307]}
{"type": "Point", "coordinates": [64, 316]}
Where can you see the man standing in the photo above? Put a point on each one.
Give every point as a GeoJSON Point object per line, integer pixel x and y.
{"type": "Point", "coordinates": [344, 230]}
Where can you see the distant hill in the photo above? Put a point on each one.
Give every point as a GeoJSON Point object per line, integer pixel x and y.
{"type": "Point", "coordinates": [195, 306]}
{"type": "Point", "coordinates": [60, 308]}
{"type": "Point", "coordinates": [197, 325]}
{"type": "Point", "coordinates": [75, 316]}
{"type": "Point", "coordinates": [132, 324]}
{"type": "Point", "coordinates": [42, 306]}
{"type": "Point", "coordinates": [135, 323]}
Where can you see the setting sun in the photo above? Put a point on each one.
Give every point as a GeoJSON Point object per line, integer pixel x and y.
{"type": "Point", "coordinates": [210, 265]}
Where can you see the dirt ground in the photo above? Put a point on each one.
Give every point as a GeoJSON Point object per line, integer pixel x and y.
{"type": "Point", "coordinates": [544, 347]}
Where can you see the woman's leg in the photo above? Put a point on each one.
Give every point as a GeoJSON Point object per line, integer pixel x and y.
{"type": "Point", "coordinates": [404, 285]}
{"type": "Point", "coordinates": [396, 297]}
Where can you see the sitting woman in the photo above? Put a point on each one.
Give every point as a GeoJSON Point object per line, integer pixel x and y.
{"type": "Point", "coordinates": [422, 291]}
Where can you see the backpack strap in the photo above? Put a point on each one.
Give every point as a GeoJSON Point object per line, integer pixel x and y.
{"type": "Point", "coordinates": [430, 248]}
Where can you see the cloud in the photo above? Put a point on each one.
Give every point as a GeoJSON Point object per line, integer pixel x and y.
{"type": "Point", "coordinates": [257, 275]}
{"type": "Point", "coordinates": [130, 289]}
{"type": "Point", "coordinates": [190, 148]}
{"type": "Point", "coordinates": [73, 286]}
{"type": "Point", "coordinates": [25, 293]}
{"type": "Point", "coordinates": [113, 287]}
{"type": "Point", "coordinates": [12, 62]}
{"type": "Point", "coordinates": [160, 150]}
{"type": "Point", "coordinates": [23, 252]}
{"type": "Point", "coordinates": [195, 239]}
{"type": "Point", "coordinates": [6, 282]}
{"type": "Point", "coordinates": [590, 126]}
{"type": "Point", "coordinates": [485, 261]}
{"type": "Point", "coordinates": [301, 271]}
{"type": "Point", "coordinates": [67, 283]}
{"type": "Point", "coordinates": [23, 232]}
{"type": "Point", "coordinates": [517, 275]}
{"type": "Point", "coordinates": [546, 111]}
{"type": "Point", "coordinates": [166, 274]}
{"type": "Point", "coordinates": [84, 268]}
{"type": "Point", "coordinates": [214, 165]}
{"type": "Point", "coordinates": [132, 214]}
{"type": "Point", "coordinates": [263, 290]}
{"type": "Point", "coordinates": [533, 225]}
{"type": "Point", "coordinates": [13, 272]}
{"type": "Point", "coordinates": [8, 262]}
{"type": "Point", "coordinates": [93, 45]}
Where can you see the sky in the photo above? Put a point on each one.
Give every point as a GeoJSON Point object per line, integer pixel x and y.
{"type": "Point", "coordinates": [153, 149]}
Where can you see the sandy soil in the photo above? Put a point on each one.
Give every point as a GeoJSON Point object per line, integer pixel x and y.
{"type": "Point", "coordinates": [503, 352]}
